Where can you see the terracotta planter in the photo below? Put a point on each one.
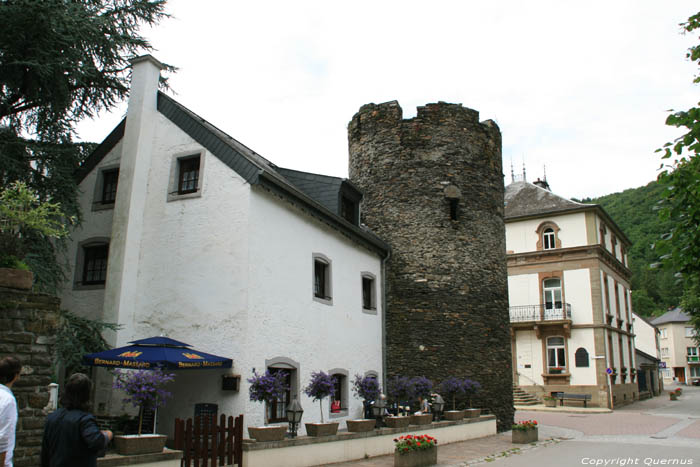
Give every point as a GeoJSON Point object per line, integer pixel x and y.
{"type": "Point", "coordinates": [366, 424]}
{"type": "Point", "coordinates": [422, 419]}
{"type": "Point", "coordinates": [129, 445]}
{"type": "Point", "coordinates": [417, 458]}
{"type": "Point", "coordinates": [267, 433]}
{"type": "Point", "coordinates": [321, 429]}
{"type": "Point", "coordinates": [472, 413]}
{"type": "Point", "coordinates": [16, 278]}
{"type": "Point", "coordinates": [453, 415]}
{"type": "Point", "coordinates": [525, 436]}
{"type": "Point", "coordinates": [397, 422]}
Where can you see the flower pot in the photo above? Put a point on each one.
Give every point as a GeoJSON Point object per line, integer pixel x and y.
{"type": "Point", "coordinates": [550, 402]}
{"type": "Point", "coordinates": [472, 413]}
{"type": "Point", "coordinates": [129, 445]}
{"type": "Point", "coordinates": [525, 436]}
{"type": "Point", "coordinates": [397, 422]}
{"type": "Point", "coordinates": [422, 419]}
{"type": "Point", "coordinates": [417, 458]}
{"type": "Point", "coordinates": [673, 396]}
{"type": "Point", "coordinates": [16, 278]}
{"type": "Point", "coordinates": [321, 429]}
{"type": "Point", "coordinates": [453, 415]}
{"type": "Point", "coordinates": [267, 433]}
{"type": "Point", "coordinates": [366, 424]}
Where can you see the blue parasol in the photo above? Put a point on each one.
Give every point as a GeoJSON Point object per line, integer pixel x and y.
{"type": "Point", "coordinates": [157, 352]}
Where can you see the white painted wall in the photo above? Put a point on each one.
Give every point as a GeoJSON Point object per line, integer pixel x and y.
{"type": "Point", "coordinates": [521, 236]}
{"type": "Point", "coordinates": [577, 292]}
{"type": "Point", "coordinates": [582, 375]}
{"type": "Point", "coordinates": [645, 339]}
{"type": "Point", "coordinates": [523, 289]}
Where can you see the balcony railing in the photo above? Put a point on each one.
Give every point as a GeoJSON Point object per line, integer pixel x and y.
{"type": "Point", "coordinates": [545, 312]}
{"type": "Point", "coordinates": [693, 359]}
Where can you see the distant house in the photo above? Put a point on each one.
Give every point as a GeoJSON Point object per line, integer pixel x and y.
{"type": "Point", "coordinates": [569, 290]}
{"type": "Point", "coordinates": [680, 353]}
{"type": "Point", "coordinates": [190, 234]}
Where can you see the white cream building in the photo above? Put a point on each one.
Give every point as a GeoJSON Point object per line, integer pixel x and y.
{"type": "Point", "coordinates": [679, 348]}
{"type": "Point", "coordinates": [569, 293]}
{"type": "Point", "coordinates": [187, 233]}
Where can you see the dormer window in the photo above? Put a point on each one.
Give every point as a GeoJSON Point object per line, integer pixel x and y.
{"type": "Point", "coordinates": [348, 210]}
{"type": "Point", "coordinates": [548, 239]}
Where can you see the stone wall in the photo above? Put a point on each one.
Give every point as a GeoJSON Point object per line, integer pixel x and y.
{"type": "Point", "coordinates": [447, 301]}
{"type": "Point", "coordinates": [28, 322]}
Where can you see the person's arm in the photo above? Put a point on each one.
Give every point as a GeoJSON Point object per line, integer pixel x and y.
{"type": "Point", "coordinates": [94, 439]}
{"type": "Point", "coordinates": [7, 416]}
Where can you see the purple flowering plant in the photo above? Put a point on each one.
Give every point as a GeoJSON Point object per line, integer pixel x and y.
{"type": "Point", "coordinates": [422, 387]}
{"type": "Point", "coordinates": [399, 389]}
{"type": "Point", "coordinates": [451, 387]}
{"type": "Point", "coordinates": [366, 387]}
{"type": "Point", "coordinates": [471, 387]}
{"type": "Point", "coordinates": [143, 388]}
{"type": "Point", "coordinates": [321, 386]}
{"type": "Point", "coordinates": [268, 387]}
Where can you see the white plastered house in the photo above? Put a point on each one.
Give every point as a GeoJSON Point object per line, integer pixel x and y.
{"type": "Point", "coordinates": [680, 352]}
{"type": "Point", "coordinates": [569, 294]}
{"type": "Point", "coordinates": [188, 233]}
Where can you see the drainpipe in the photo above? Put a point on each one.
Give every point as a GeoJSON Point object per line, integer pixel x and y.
{"type": "Point", "coordinates": [384, 282]}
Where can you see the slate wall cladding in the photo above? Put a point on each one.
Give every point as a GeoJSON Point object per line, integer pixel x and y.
{"type": "Point", "coordinates": [447, 300]}
{"type": "Point", "coordinates": [28, 322]}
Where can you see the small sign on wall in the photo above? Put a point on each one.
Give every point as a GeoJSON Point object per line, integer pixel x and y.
{"type": "Point", "coordinates": [230, 382]}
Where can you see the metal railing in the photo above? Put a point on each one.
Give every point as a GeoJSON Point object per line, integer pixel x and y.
{"type": "Point", "coordinates": [542, 312]}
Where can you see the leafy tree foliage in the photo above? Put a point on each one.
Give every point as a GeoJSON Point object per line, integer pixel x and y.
{"type": "Point", "coordinates": [61, 61]}
{"type": "Point", "coordinates": [680, 245]}
{"type": "Point", "coordinates": [78, 336]}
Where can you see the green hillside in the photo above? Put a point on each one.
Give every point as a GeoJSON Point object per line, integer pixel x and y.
{"type": "Point", "coordinates": [653, 290]}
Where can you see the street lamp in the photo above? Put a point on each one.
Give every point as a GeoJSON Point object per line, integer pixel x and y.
{"type": "Point", "coordinates": [378, 409]}
{"type": "Point", "coordinates": [438, 406]}
{"type": "Point", "coordinates": [294, 413]}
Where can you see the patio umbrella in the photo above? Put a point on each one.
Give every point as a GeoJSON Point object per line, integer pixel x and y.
{"type": "Point", "coordinates": [157, 351]}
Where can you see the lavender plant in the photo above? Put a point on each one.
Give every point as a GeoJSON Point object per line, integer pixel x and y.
{"type": "Point", "coordinates": [451, 387]}
{"type": "Point", "coordinates": [422, 387]}
{"type": "Point", "coordinates": [321, 386]}
{"type": "Point", "coordinates": [366, 387]}
{"type": "Point", "coordinates": [268, 387]}
{"type": "Point", "coordinates": [143, 388]}
{"type": "Point", "coordinates": [470, 388]}
{"type": "Point", "coordinates": [399, 389]}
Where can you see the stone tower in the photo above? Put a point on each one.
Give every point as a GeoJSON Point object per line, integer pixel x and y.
{"type": "Point", "coordinates": [433, 189]}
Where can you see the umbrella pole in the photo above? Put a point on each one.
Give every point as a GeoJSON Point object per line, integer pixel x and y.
{"type": "Point", "coordinates": [140, 418]}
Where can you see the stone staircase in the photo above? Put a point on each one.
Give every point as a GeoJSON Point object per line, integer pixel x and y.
{"type": "Point", "coordinates": [521, 397]}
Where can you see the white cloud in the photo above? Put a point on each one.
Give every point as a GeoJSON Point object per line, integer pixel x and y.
{"type": "Point", "coordinates": [581, 88]}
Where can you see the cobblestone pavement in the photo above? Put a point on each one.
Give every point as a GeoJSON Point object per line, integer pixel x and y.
{"type": "Point", "coordinates": [645, 427]}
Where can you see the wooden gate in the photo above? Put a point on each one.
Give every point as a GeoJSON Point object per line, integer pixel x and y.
{"type": "Point", "coordinates": [208, 444]}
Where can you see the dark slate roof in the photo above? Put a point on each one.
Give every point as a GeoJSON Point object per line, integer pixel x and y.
{"type": "Point", "coordinates": [674, 316]}
{"type": "Point", "coordinates": [250, 165]}
{"type": "Point", "coordinates": [323, 188]}
{"type": "Point", "coordinates": [524, 199]}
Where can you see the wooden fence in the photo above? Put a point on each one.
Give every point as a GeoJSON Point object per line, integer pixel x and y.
{"type": "Point", "coordinates": [206, 443]}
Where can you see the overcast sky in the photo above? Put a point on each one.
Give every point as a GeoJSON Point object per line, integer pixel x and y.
{"type": "Point", "coordinates": [582, 88]}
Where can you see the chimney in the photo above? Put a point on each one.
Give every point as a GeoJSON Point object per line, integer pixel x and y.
{"type": "Point", "coordinates": [129, 206]}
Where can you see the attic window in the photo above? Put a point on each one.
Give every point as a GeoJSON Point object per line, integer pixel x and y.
{"type": "Point", "coordinates": [188, 175]}
{"type": "Point", "coordinates": [348, 210]}
{"type": "Point", "coordinates": [109, 186]}
{"type": "Point", "coordinates": [548, 239]}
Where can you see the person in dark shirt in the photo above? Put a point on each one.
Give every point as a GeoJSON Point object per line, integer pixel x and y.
{"type": "Point", "coordinates": [71, 436]}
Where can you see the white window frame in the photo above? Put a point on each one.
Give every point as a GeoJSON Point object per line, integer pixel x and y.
{"type": "Point", "coordinates": [549, 239]}
{"type": "Point", "coordinates": [559, 352]}
{"type": "Point", "coordinates": [372, 310]}
{"type": "Point", "coordinates": [553, 292]}
{"type": "Point", "coordinates": [663, 333]}
{"type": "Point", "coordinates": [173, 185]}
{"type": "Point", "coordinates": [328, 279]}
{"type": "Point", "coordinates": [664, 352]}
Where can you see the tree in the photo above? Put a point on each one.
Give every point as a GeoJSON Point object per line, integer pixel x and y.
{"type": "Point", "coordinates": [680, 246]}
{"type": "Point", "coordinates": [61, 61]}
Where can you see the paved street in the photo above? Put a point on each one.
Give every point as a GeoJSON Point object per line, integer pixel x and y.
{"type": "Point", "coordinates": [653, 432]}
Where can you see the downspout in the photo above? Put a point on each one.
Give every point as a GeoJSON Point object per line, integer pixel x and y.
{"type": "Point", "coordinates": [384, 282]}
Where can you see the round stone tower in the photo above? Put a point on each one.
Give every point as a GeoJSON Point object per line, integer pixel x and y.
{"type": "Point", "coordinates": [433, 189]}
